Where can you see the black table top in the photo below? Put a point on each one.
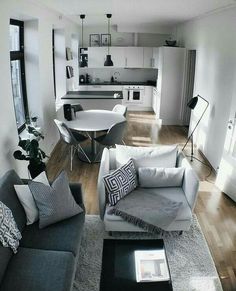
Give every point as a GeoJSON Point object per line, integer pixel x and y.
{"type": "Point", "coordinates": [93, 95]}
{"type": "Point", "coordinates": [118, 266]}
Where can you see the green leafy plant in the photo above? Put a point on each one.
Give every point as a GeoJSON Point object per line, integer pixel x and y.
{"type": "Point", "coordinates": [32, 152]}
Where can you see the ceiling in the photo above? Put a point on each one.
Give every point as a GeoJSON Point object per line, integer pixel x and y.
{"type": "Point", "coordinates": [137, 12]}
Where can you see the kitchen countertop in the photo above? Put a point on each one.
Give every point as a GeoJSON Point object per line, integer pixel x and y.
{"type": "Point", "coordinates": [93, 95]}
{"type": "Point", "coordinates": [121, 83]}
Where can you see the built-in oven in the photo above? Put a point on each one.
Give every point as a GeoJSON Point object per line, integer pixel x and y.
{"type": "Point", "coordinates": [133, 94]}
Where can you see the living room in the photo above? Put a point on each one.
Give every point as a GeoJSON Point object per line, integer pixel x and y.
{"type": "Point", "coordinates": [207, 28]}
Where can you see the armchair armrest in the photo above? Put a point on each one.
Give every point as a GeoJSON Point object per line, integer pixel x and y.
{"type": "Point", "coordinates": [190, 186]}
{"type": "Point", "coordinates": [103, 170]}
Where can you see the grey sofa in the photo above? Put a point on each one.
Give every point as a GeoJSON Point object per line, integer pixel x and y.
{"type": "Point", "coordinates": [46, 259]}
{"type": "Point", "coordinates": [187, 194]}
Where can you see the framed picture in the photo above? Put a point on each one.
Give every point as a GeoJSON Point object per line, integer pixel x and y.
{"type": "Point", "coordinates": [106, 39]}
{"type": "Point", "coordinates": [94, 40]}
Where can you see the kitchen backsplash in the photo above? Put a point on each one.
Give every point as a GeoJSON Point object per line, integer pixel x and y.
{"type": "Point", "coordinates": [134, 75]}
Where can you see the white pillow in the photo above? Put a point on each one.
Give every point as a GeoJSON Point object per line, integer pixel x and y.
{"type": "Point", "coordinates": [163, 156]}
{"type": "Point", "coordinates": [160, 177]}
{"type": "Point", "coordinates": [26, 198]}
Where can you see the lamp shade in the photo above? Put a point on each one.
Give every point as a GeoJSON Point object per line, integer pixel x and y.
{"type": "Point", "coordinates": [108, 61]}
{"type": "Point", "coordinates": [192, 102]}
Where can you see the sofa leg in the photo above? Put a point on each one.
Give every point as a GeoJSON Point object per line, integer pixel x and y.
{"type": "Point", "coordinates": [110, 233]}
{"type": "Point", "coordinates": [181, 232]}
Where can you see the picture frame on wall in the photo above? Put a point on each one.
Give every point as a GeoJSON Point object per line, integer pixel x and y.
{"type": "Point", "coordinates": [106, 39]}
{"type": "Point", "coordinates": [94, 39]}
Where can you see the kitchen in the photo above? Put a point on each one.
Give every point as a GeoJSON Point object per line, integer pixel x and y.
{"type": "Point", "coordinates": [144, 78]}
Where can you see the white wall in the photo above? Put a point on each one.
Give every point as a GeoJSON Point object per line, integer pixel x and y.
{"type": "Point", "coordinates": [214, 39]}
{"type": "Point", "coordinates": [40, 86]}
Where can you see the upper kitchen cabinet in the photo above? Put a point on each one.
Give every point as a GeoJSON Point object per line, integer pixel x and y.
{"type": "Point", "coordinates": [118, 56]}
{"type": "Point", "coordinates": [155, 57]}
{"type": "Point", "coordinates": [96, 57]}
{"type": "Point", "coordinates": [148, 57]}
{"type": "Point", "coordinates": [133, 57]}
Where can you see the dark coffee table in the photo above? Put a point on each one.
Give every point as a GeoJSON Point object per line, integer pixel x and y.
{"type": "Point", "coordinates": [118, 266]}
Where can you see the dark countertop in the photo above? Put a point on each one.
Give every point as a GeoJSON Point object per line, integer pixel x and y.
{"type": "Point", "coordinates": [121, 83]}
{"type": "Point", "coordinates": [93, 95]}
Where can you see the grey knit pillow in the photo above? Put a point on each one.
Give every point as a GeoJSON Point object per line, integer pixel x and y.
{"type": "Point", "coordinates": [55, 202]}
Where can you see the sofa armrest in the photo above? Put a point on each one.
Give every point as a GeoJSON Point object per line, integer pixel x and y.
{"type": "Point", "coordinates": [76, 190]}
{"type": "Point", "coordinates": [190, 186]}
{"type": "Point", "coordinates": [103, 170]}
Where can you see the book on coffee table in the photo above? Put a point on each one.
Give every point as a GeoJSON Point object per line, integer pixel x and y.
{"type": "Point", "coordinates": [151, 266]}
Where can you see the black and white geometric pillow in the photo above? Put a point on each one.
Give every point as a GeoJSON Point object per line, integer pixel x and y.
{"type": "Point", "coordinates": [9, 232]}
{"type": "Point", "coordinates": [120, 182]}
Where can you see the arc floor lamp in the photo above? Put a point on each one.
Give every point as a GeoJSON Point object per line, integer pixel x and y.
{"type": "Point", "coordinates": [192, 104]}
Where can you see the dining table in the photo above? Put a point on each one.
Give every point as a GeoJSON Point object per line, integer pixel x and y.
{"type": "Point", "coordinates": [92, 122]}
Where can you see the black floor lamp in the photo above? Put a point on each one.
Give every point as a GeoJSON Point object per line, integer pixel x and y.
{"type": "Point", "coordinates": [192, 104]}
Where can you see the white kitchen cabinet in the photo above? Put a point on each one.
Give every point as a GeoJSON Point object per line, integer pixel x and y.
{"type": "Point", "coordinates": [147, 57]}
{"type": "Point", "coordinates": [170, 83]}
{"type": "Point", "coordinates": [96, 57]}
{"type": "Point", "coordinates": [156, 102]}
{"type": "Point", "coordinates": [118, 56]}
{"type": "Point", "coordinates": [133, 57]}
{"type": "Point", "coordinates": [155, 57]}
{"type": "Point", "coordinates": [147, 98]}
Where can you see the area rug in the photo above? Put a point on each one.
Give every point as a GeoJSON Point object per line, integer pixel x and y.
{"type": "Point", "coordinates": [191, 265]}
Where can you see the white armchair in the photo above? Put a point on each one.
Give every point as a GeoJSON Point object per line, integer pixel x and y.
{"type": "Point", "coordinates": [187, 194]}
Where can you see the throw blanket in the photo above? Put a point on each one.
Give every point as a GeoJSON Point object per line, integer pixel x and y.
{"type": "Point", "coordinates": [9, 232]}
{"type": "Point", "coordinates": [147, 210]}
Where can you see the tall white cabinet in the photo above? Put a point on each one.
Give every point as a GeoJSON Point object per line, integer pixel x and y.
{"type": "Point", "coordinates": [171, 84]}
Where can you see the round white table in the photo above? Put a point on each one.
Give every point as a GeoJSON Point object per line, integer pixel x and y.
{"type": "Point", "coordinates": [94, 121]}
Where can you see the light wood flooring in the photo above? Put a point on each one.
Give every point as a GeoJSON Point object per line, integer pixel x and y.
{"type": "Point", "coordinates": [215, 211]}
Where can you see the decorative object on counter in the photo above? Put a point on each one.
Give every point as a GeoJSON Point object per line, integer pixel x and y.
{"type": "Point", "coordinates": [81, 79]}
{"type": "Point", "coordinates": [105, 39]}
{"type": "Point", "coordinates": [83, 57]}
{"type": "Point", "coordinates": [108, 61]}
{"type": "Point", "coordinates": [192, 104]}
{"type": "Point", "coordinates": [171, 42]}
{"type": "Point", "coordinates": [94, 39]}
{"type": "Point", "coordinates": [69, 55]}
{"type": "Point", "coordinates": [69, 72]}
{"type": "Point", "coordinates": [67, 112]}
{"type": "Point", "coordinates": [34, 154]}
{"type": "Point", "coordinates": [34, 121]}
{"type": "Point", "coordinates": [87, 78]}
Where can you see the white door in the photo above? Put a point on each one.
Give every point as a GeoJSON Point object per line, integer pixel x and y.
{"type": "Point", "coordinates": [134, 57]}
{"type": "Point", "coordinates": [226, 177]}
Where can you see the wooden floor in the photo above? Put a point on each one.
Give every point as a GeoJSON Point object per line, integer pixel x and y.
{"type": "Point", "coordinates": [215, 211]}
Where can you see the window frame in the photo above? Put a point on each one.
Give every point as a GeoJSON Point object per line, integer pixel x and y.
{"type": "Point", "coordinates": [19, 56]}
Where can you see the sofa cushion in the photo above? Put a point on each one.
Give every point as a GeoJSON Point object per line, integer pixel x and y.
{"type": "Point", "coordinates": [160, 156]}
{"type": "Point", "coordinates": [150, 177]}
{"type": "Point", "coordinates": [175, 194]}
{"type": "Point", "coordinates": [62, 236]}
{"type": "Point", "coordinates": [9, 198]}
{"type": "Point", "coordinates": [55, 202]}
{"type": "Point", "coordinates": [39, 270]}
{"type": "Point", "coordinates": [26, 198]}
{"type": "Point", "coordinates": [120, 182]}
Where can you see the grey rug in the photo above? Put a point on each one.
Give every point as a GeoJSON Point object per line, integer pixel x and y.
{"type": "Point", "coordinates": [190, 262]}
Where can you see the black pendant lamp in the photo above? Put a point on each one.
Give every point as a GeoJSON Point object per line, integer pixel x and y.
{"type": "Point", "coordinates": [108, 61]}
{"type": "Point", "coordinates": [83, 61]}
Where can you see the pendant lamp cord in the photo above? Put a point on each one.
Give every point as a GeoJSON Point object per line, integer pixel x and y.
{"type": "Point", "coordinates": [108, 49]}
{"type": "Point", "coordinates": [82, 33]}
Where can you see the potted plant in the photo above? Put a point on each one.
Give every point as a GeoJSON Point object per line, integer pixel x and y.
{"type": "Point", "coordinates": [33, 153]}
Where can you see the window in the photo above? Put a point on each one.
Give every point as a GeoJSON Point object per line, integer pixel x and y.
{"type": "Point", "coordinates": [18, 72]}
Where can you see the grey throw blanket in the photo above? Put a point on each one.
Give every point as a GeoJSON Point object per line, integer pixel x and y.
{"type": "Point", "coordinates": [147, 210]}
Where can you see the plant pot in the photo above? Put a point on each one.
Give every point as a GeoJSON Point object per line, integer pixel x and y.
{"type": "Point", "coordinates": [35, 168]}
